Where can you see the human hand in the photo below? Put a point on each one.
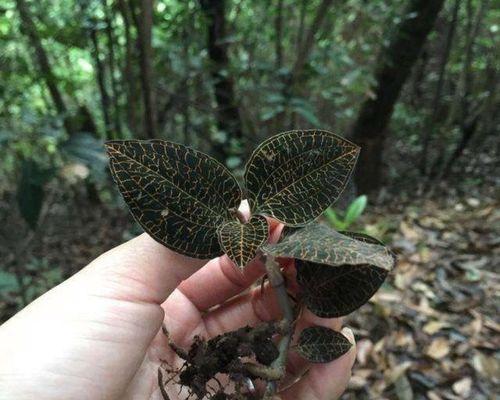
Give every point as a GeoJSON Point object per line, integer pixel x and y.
{"type": "Point", "coordinates": [97, 335]}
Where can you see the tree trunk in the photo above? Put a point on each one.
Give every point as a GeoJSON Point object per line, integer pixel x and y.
{"type": "Point", "coordinates": [305, 47]}
{"type": "Point", "coordinates": [302, 23]}
{"type": "Point", "coordinates": [128, 76]}
{"type": "Point", "coordinates": [144, 23]}
{"type": "Point", "coordinates": [468, 119]}
{"type": "Point", "coordinates": [459, 110]}
{"type": "Point", "coordinates": [307, 44]}
{"type": "Point", "coordinates": [101, 83]}
{"type": "Point", "coordinates": [394, 66]}
{"type": "Point", "coordinates": [432, 121]}
{"type": "Point", "coordinates": [227, 113]}
{"type": "Point", "coordinates": [278, 26]}
{"type": "Point", "coordinates": [116, 133]}
{"type": "Point", "coordinates": [42, 60]}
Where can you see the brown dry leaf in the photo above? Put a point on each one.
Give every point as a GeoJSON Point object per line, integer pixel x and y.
{"type": "Point", "coordinates": [384, 296]}
{"type": "Point", "coordinates": [475, 326]}
{"type": "Point", "coordinates": [405, 274]}
{"type": "Point", "coordinates": [432, 222]}
{"type": "Point", "coordinates": [363, 350]}
{"type": "Point", "coordinates": [490, 324]}
{"type": "Point", "coordinates": [395, 373]}
{"type": "Point", "coordinates": [438, 349]}
{"type": "Point", "coordinates": [425, 255]}
{"type": "Point", "coordinates": [432, 395]}
{"type": "Point", "coordinates": [462, 348]}
{"type": "Point", "coordinates": [357, 382]}
{"type": "Point", "coordinates": [424, 308]}
{"type": "Point", "coordinates": [403, 388]}
{"type": "Point", "coordinates": [421, 287]}
{"type": "Point", "coordinates": [489, 367]}
{"type": "Point", "coordinates": [433, 327]}
{"type": "Point", "coordinates": [404, 339]}
{"type": "Point", "coordinates": [410, 232]}
{"type": "Point", "coordinates": [463, 387]}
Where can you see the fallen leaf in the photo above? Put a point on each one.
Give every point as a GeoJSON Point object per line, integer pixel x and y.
{"type": "Point", "coordinates": [490, 324]}
{"type": "Point", "coordinates": [363, 350]}
{"type": "Point", "coordinates": [411, 232]}
{"type": "Point", "coordinates": [357, 382]}
{"type": "Point", "coordinates": [473, 202]}
{"type": "Point", "coordinates": [488, 367]}
{"type": "Point", "coordinates": [433, 327]}
{"type": "Point", "coordinates": [463, 387]}
{"type": "Point", "coordinates": [394, 374]}
{"type": "Point", "coordinates": [432, 395]}
{"type": "Point", "coordinates": [438, 349]}
{"type": "Point", "coordinates": [403, 388]}
{"type": "Point", "coordinates": [404, 339]}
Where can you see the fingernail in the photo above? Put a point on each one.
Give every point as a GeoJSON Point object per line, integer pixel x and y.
{"type": "Point", "coordinates": [348, 333]}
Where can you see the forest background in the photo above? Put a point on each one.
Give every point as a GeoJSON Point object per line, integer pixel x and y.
{"type": "Point", "coordinates": [414, 82]}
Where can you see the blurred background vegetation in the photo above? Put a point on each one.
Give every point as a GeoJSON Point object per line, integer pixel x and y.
{"type": "Point", "coordinates": [414, 82]}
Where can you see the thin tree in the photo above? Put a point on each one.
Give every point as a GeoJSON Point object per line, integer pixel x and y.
{"type": "Point", "coordinates": [101, 80]}
{"type": "Point", "coordinates": [128, 75]}
{"type": "Point", "coordinates": [278, 26]}
{"type": "Point", "coordinates": [42, 60]}
{"type": "Point", "coordinates": [436, 99]}
{"type": "Point", "coordinates": [305, 46]}
{"type": "Point", "coordinates": [112, 69]}
{"type": "Point", "coordinates": [227, 112]}
{"type": "Point", "coordinates": [144, 23]}
{"type": "Point", "coordinates": [393, 69]}
{"type": "Point", "coordinates": [470, 111]}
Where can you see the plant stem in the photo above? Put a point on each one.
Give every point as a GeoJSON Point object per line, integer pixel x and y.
{"type": "Point", "coordinates": [277, 282]}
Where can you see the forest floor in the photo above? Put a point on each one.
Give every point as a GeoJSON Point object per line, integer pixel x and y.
{"type": "Point", "coordinates": [431, 332]}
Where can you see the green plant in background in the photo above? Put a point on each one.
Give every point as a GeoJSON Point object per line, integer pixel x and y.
{"type": "Point", "coordinates": [351, 215]}
{"type": "Point", "coordinates": [189, 202]}
{"type": "Point", "coordinates": [77, 158]}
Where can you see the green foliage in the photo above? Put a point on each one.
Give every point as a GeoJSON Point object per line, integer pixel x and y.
{"type": "Point", "coordinates": [352, 214]}
{"type": "Point", "coordinates": [30, 190]}
{"type": "Point", "coordinates": [8, 282]}
{"type": "Point", "coordinates": [87, 150]}
{"type": "Point", "coordinates": [319, 344]}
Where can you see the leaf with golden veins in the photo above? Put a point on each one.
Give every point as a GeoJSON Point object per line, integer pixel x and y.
{"type": "Point", "coordinates": [320, 344]}
{"type": "Point", "coordinates": [241, 241]}
{"type": "Point", "coordinates": [294, 176]}
{"type": "Point", "coordinates": [180, 196]}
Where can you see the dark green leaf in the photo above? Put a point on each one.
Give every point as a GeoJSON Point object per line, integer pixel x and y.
{"type": "Point", "coordinates": [180, 196]}
{"type": "Point", "coordinates": [321, 244]}
{"type": "Point", "coordinates": [296, 175]}
{"type": "Point", "coordinates": [241, 241]}
{"type": "Point", "coordinates": [321, 345]}
{"type": "Point", "coordinates": [331, 292]}
{"type": "Point", "coordinates": [8, 281]}
{"type": "Point", "coordinates": [30, 190]}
